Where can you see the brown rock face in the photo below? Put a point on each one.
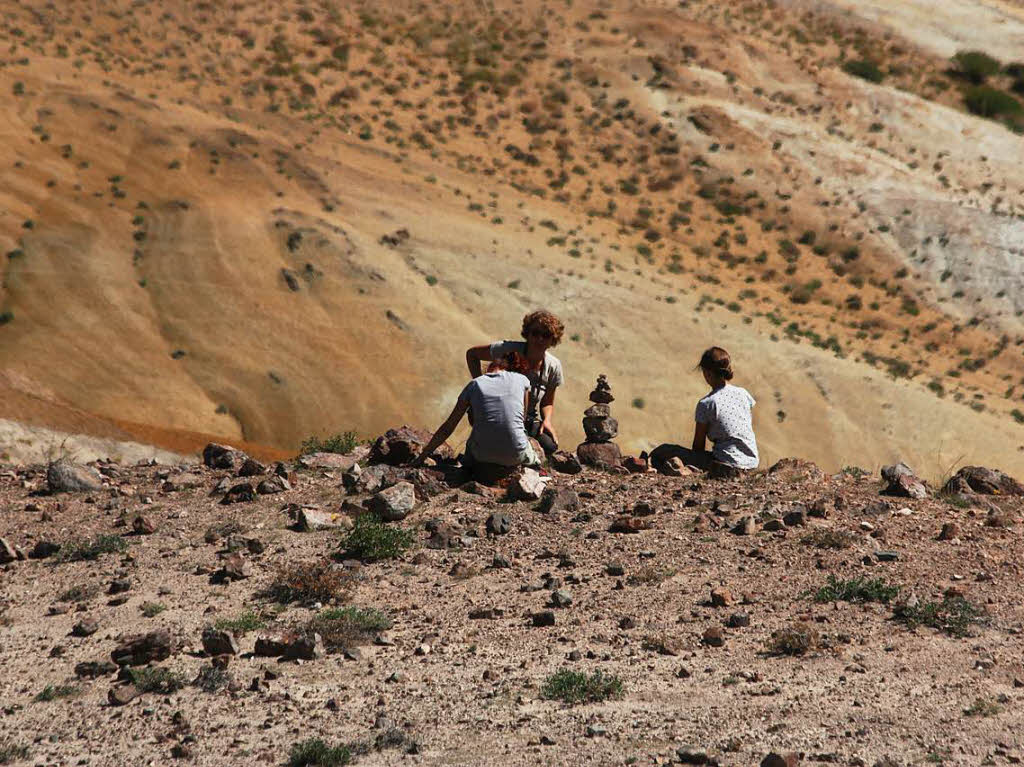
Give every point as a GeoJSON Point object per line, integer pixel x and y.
{"type": "Point", "coordinates": [399, 446]}
{"type": "Point", "coordinates": [978, 479]}
{"type": "Point", "coordinates": [565, 463]}
{"type": "Point", "coordinates": [599, 454]}
{"type": "Point", "coordinates": [781, 760]}
{"type": "Point", "coordinates": [143, 648]}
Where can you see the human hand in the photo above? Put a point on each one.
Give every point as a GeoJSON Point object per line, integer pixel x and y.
{"type": "Point", "coordinates": [550, 429]}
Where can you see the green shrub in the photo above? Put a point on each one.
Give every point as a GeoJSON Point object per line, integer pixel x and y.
{"type": "Point", "coordinates": [344, 626]}
{"type": "Point", "coordinates": [81, 592]}
{"type": "Point", "coordinates": [6, 317]}
{"type": "Point", "coordinates": [990, 102]}
{"type": "Point", "coordinates": [152, 609]}
{"type": "Point", "coordinates": [856, 590]}
{"type": "Point", "coordinates": [371, 540]}
{"type": "Point", "coordinates": [156, 679]}
{"type": "Point", "coordinates": [344, 442]}
{"type": "Point", "coordinates": [316, 753]}
{"type": "Point", "coordinates": [954, 615]}
{"type": "Point", "coordinates": [307, 582]}
{"type": "Point", "coordinates": [212, 678]}
{"type": "Point", "coordinates": [982, 707]}
{"type": "Point", "coordinates": [241, 624]}
{"type": "Point", "coordinates": [864, 69]}
{"type": "Point", "coordinates": [976, 66]}
{"type": "Point", "coordinates": [638, 403]}
{"type": "Point", "coordinates": [574, 687]}
{"type": "Point", "coordinates": [52, 692]}
{"type": "Point", "coordinates": [78, 550]}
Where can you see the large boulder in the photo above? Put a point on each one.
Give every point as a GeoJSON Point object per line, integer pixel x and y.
{"type": "Point", "coordinates": [978, 479]}
{"type": "Point", "coordinates": [393, 504]}
{"type": "Point", "coordinates": [143, 648]}
{"type": "Point", "coordinates": [400, 446]}
{"type": "Point", "coordinates": [599, 454]}
{"type": "Point", "coordinates": [217, 456]}
{"type": "Point", "coordinates": [661, 455]}
{"type": "Point", "coordinates": [66, 476]}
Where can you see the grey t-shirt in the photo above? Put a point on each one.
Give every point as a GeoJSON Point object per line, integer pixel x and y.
{"type": "Point", "coordinates": [726, 411]}
{"type": "Point", "coordinates": [541, 381]}
{"type": "Point", "coordinates": [499, 433]}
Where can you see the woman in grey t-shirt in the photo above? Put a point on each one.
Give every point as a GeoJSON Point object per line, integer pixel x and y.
{"type": "Point", "coordinates": [497, 401]}
{"type": "Point", "coordinates": [542, 331]}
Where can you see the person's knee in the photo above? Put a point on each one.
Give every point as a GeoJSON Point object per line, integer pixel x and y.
{"type": "Point", "coordinates": [547, 444]}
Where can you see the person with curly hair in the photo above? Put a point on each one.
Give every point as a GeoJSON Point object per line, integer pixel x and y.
{"type": "Point", "coordinates": [541, 330]}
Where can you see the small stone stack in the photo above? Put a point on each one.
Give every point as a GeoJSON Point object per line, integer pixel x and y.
{"type": "Point", "coordinates": [601, 429]}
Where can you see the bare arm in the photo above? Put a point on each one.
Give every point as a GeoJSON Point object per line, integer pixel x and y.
{"type": "Point", "coordinates": [444, 431]}
{"type": "Point", "coordinates": [474, 356]}
{"type": "Point", "coordinates": [700, 434]}
{"type": "Point", "coordinates": [547, 410]}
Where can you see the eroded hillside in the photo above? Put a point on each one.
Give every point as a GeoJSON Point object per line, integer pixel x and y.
{"type": "Point", "coordinates": [204, 212]}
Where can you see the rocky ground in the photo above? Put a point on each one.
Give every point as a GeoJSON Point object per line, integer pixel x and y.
{"type": "Point", "coordinates": [697, 595]}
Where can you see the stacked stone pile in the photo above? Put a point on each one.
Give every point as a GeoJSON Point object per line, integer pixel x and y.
{"type": "Point", "coordinates": [600, 428]}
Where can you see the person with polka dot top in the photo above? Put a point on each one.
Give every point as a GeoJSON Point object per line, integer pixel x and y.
{"type": "Point", "coordinates": [724, 416]}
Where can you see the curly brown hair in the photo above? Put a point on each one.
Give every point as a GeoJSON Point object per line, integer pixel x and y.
{"type": "Point", "coordinates": [544, 320]}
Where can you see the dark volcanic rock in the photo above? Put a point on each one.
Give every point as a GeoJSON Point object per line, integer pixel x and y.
{"type": "Point", "coordinates": [601, 428]}
{"type": "Point", "coordinates": [143, 648]}
{"type": "Point", "coordinates": [399, 446]}
{"type": "Point", "coordinates": [217, 456]}
{"type": "Point", "coordinates": [240, 493]}
{"type": "Point", "coordinates": [565, 463]}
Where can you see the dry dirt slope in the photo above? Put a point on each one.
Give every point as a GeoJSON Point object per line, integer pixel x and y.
{"type": "Point", "coordinates": [189, 255]}
{"type": "Point", "coordinates": [459, 677]}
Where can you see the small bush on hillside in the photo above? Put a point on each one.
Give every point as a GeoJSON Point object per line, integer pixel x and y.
{"type": "Point", "coordinates": [574, 687]}
{"type": "Point", "coordinates": [976, 66]}
{"type": "Point", "coordinates": [865, 70]}
{"type": "Point", "coordinates": [81, 592]}
{"type": "Point", "coordinates": [990, 102]}
{"type": "Point", "coordinates": [344, 626]}
{"type": "Point", "coordinates": [796, 639]}
{"type": "Point", "coordinates": [308, 582]}
{"type": "Point", "coordinates": [52, 692]}
{"type": "Point", "coordinates": [212, 678]}
{"type": "Point", "coordinates": [78, 550]}
{"type": "Point", "coordinates": [316, 753]}
{"type": "Point", "coordinates": [954, 615]}
{"type": "Point", "coordinates": [156, 679]}
{"type": "Point", "coordinates": [344, 442]}
{"type": "Point", "coordinates": [371, 540]}
{"type": "Point", "coordinates": [241, 624]}
{"type": "Point", "coordinates": [982, 707]}
{"type": "Point", "coordinates": [856, 590]}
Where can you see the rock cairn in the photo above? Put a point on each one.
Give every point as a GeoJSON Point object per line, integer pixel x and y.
{"type": "Point", "coordinates": [600, 428]}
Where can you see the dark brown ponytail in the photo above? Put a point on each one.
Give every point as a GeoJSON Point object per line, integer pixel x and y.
{"type": "Point", "coordinates": [716, 362]}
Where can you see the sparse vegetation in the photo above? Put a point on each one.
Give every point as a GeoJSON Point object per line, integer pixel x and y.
{"type": "Point", "coordinates": [78, 550]}
{"type": "Point", "coordinates": [983, 707]}
{"type": "Point", "coordinates": [865, 70]}
{"type": "Point", "coordinates": [372, 540]}
{"type": "Point", "coordinates": [954, 615]}
{"type": "Point", "coordinates": [344, 626]}
{"type": "Point", "coordinates": [574, 687]}
{"type": "Point", "coordinates": [796, 639]}
{"type": "Point", "coordinates": [856, 590]}
{"type": "Point", "coordinates": [152, 609]}
{"type": "Point", "coordinates": [316, 753]}
{"type": "Point", "coordinates": [11, 752]}
{"type": "Point", "coordinates": [248, 621]}
{"type": "Point", "coordinates": [156, 679]}
{"type": "Point", "coordinates": [308, 582]}
{"type": "Point", "coordinates": [53, 692]}
{"type": "Point", "coordinates": [344, 442]}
